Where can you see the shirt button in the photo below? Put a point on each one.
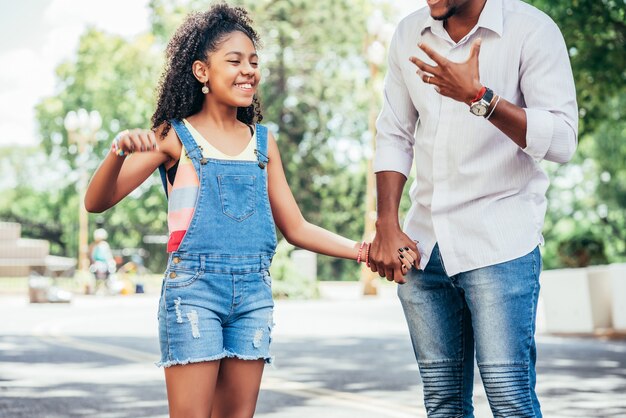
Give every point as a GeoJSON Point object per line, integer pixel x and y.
{"type": "Point", "coordinates": [176, 260]}
{"type": "Point", "coordinates": [173, 275]}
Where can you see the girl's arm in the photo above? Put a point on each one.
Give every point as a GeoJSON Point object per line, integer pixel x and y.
{"type": "Point", "coordinates": [290, 221]}
{"type": "Point", "coordinates": [117, 176]}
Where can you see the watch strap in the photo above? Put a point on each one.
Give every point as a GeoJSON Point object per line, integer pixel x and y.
{"type": "Point", "coordinates": [479, 95]}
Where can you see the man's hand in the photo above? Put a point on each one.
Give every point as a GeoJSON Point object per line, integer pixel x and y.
{"type": "Point", "coordinates": [459, 81]}
{"type": "Point", "coordinates": [393, 254]}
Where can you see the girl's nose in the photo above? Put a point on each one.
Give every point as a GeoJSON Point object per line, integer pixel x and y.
{"type": "Point", "coordinates": [247, 69]}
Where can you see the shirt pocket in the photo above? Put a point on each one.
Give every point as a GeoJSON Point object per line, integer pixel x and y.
{"type": "Point", "coordinates": [238, 195]}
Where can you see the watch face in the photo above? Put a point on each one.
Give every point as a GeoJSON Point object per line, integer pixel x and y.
{"type": "Point", "coordinates": [478, 109]}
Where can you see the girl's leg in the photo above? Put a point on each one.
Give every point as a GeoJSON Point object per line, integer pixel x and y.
{"type": "Point", "coordinates": [237, 388]}
{"type": "Point", "coordinates": [191, 389]}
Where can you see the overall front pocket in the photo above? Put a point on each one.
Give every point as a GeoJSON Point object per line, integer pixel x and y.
{"type": "Point", "coordinates": [180, 278]}
{"type": "Point", "coordinates": [238, 195]}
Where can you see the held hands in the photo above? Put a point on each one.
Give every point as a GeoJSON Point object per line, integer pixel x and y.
{"type": "Point", "coordinates": [393, 254]}
{"type": "Point", "coordinates": [137, 140]}
{"type": "Point", "coordinates": [459, 81]}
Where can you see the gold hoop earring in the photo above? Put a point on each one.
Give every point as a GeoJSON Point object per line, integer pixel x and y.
{"type": "Point", "coordinates": [205, 89]}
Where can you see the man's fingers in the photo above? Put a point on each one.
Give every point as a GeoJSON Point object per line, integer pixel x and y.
{"type": "Point", "coordinates": [423, 66]}
{"type": "Point", "coordinates": [399, 273]}
{"type": "Point", "coordinates": [475, 49]}
{"type": "Point", "coordinates": [411, 254]}
{"type": "Point", "coordinates": [440, 60]}
{"type": "Point", "coordinates": [414, 258]}
{"type": "Point", "coordinates": [407, 259]}
{"type": "Point", "coordinates": [406, 263]}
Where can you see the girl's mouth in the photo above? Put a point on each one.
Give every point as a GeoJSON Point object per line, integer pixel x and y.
{"type": "Point", "coordinates": [244, 86]}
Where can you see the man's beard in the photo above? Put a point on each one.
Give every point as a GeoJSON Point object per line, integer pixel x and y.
{"type": "Point", "coordinates": [451, 12]}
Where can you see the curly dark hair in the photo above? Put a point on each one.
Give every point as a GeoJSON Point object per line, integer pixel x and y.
{"type": "Point", "coordinates": [179, 92]}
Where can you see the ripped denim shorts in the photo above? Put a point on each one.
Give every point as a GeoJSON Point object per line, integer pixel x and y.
{"type": "Point", "coordinates": [213, 307]}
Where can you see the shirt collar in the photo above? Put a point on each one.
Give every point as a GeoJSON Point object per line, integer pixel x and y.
{"type": "Point", "coordinates": [490, 18]}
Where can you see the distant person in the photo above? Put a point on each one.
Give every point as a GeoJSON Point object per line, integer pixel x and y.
{"type": "Point", "coordinates": [226, 188]}
{"type": "Point", "coordinates": [478, 92]}
{"type": "Point", "coordinates": [102, 260]}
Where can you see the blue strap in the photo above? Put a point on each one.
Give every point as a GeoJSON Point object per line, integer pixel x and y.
{"type": "Point", "coordinates": [163, 173]}
{"type": "Point", "coordinates": [193, 151]}
{"type": "Point", "coordinates": [261, 144]}
{"type": "Point", "coordinates": [191, 147]}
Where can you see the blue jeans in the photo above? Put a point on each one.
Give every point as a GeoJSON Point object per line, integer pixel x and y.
{"type": "Point", "coordinates": [491, 310]}
{"type": "Point", "coordinates": [215, 308]}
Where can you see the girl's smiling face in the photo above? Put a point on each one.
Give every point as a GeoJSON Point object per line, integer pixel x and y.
{"type": "Point", "coordinates": [233, 71]}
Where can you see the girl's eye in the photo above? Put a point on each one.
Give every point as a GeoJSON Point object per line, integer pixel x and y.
{"type": "Point", "coordinates": [234, 62]}
{"type": "Point", "coordinates": [254, 64]}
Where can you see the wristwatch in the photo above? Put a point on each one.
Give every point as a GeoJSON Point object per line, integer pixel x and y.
{"type": "Point", "coordinates": [480, 105]}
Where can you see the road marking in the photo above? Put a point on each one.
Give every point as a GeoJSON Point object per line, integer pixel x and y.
{"type": "Point", "coordinates": [352, 400]}
{"type": "Point", "coordinates": [385, 409]}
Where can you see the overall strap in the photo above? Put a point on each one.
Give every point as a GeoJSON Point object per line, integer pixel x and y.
{"type": "Point", "coordinates": [163, 173]}
{"type": "Point", "coordinates": [191, 147]}
{"type": "Point", "coordinates": [261, 145]}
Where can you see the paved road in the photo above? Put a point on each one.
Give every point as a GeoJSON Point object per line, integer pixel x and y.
{"type": "Point", "coordinates": [335, 358]}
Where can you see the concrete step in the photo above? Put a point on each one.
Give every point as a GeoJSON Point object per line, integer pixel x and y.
{"type": "Point", "coordinates": [24, 248]}
{"type": "Point", "coordinates": [10, 231]}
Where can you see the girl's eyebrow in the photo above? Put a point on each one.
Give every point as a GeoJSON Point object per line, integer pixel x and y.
{"type": "Point", "coordinates": [240, 54]}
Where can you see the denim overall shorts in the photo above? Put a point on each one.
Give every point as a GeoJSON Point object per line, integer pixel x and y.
{"type": "Point", "coordinates": [216, 298]}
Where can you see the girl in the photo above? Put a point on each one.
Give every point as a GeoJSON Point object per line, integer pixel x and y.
{"type": "Point", "coordinates": [227, 188]}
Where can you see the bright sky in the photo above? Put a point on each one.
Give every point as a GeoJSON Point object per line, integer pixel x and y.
{"type": "Point", "coordinates": [36, 35]}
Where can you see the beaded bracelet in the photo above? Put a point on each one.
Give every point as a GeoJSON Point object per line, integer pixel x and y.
{"type": "Point", "coordinates": [115, 147]}
{"type": "Point", "coordinates": [367, 254]}
{"type": "Point", "coordinates": [493, 108]}
{"type": "Point", "coordinates": [358, 257]}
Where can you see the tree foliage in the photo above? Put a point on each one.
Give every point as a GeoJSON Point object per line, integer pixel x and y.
{"type": "Point", "coordinates": [116, 77]}
{"type": "Point", "coordinates": [595, 206]}
{"type": "Point", "coordinates": [315, 95]}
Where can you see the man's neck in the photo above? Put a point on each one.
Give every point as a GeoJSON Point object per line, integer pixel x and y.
{"type": "Point", "coordinates": [464, 20]}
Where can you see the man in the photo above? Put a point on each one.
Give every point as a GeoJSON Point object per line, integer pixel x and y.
{"type": "Point", "coordinates": [482, 90]}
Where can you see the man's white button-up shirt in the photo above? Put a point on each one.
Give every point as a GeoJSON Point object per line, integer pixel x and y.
{"type": "Point", "coordinates": [476, 193]}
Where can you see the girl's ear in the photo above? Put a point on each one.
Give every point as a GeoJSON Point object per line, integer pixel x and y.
{"type": "Point", "coordinates": [200, 71]}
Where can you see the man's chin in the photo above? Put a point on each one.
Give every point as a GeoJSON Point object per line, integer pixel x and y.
{"type": "Point", "coordinates": [446, 15]}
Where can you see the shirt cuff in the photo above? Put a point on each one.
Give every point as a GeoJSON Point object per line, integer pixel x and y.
{"type": "Point", "coordinates": [539, 131]}
{"type": "Point", "coordinates": [389, 158]}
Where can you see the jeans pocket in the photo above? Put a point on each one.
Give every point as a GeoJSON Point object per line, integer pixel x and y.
{"type": "Point", "coordinates": [238, 196]}
{"type": "Point", "coordinates": [180, 278]}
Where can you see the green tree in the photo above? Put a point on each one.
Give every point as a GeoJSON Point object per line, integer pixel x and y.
{"type": "Point", "coordinates": [116, 77]}
{"type": "Point", "coordinates": [595, 33]}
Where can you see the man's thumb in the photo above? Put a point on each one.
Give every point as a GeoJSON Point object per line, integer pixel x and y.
{"type": "Point", "coordinates": [475, 49]}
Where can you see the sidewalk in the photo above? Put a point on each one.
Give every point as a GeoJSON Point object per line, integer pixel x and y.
{"type": "Point", "coordinates": [343, 356]}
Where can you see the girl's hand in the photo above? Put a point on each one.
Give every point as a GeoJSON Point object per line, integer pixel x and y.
{"type": "Point", "coordinates": [136, 140]}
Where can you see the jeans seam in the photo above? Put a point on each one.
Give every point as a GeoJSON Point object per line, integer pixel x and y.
{"type": "Point", "coordinates": [167, 328]}
{"type": "Point", "coordinates": [437, 362]}
{"type": "Point", "coordinates": [462, 394]}
{"type": "Point", "coordinates": [506, 363]}
{"type": "Point", "coordinates": [532, 330]}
